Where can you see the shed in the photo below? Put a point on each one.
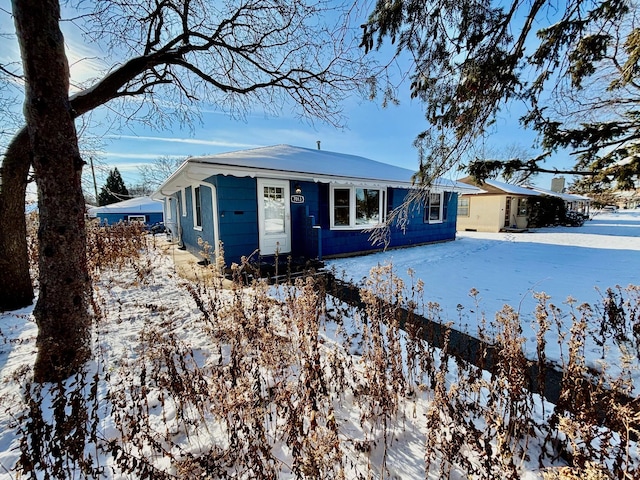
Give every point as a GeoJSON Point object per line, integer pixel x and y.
{"type": "Point", "coordinates": [140, 209]}
{"type": "Point", "coordinates": [299, 202]}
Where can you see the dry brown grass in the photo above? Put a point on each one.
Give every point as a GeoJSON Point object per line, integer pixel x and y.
{"type": "Point", "coordinates": [252, 387]}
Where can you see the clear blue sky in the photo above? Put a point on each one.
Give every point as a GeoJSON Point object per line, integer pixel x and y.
{"type": "Point", "coordinates": [383, 134]}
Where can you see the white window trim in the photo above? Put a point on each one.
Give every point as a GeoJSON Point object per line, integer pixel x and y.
{"type": "Point", "coordinates": [183, 203]}
{"type": "Point", "coordinates": [169, 205]}
{"type": "Point", "coordinates": [468, 200]}
{"type": "Point", "coordinates": [352, 207]}
{"type": "Point", "coordinates": [137, 218]}
{"type": "Point", "coordinates": [526, 207]}
{"type": "Point", "coordinates": [193, 206]}
{"type": "Point", "coordinates": [427, 213]}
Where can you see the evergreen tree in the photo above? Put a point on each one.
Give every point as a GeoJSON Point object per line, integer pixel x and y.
{"type": "Point", "coordinates": [574, 66]}
{"type": "Point", "coordinates": [114, 189]}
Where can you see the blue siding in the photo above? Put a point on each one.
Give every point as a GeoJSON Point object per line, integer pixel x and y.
{"type": "Point", "coordinates": [113, 218]}
{"type": "Point", "coordinates": [343, 242]}
{"type": "Point", "coordinates": [238, 221]}
{"type": "Point", "coordinates": [237, 216]}
{"type": "Point", "coordinates": [190, 235]}
{"type": "Point", "coordinates": [335, 242]}
{"type": "Point", "coordinates": [418, 231]}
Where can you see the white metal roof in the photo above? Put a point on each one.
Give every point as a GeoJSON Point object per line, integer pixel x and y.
{"type": "Point", "coordinates": [510, 188]}
{"type": "Point", "coordinates": [567, 197]}
{"type": "Point", "coordinates": [290, 162]}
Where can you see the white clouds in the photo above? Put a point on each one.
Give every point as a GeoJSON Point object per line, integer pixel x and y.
{"type": "Point", "coordinates": [187, 141]}
{"type": "Point", "coordinates": [137, 156]}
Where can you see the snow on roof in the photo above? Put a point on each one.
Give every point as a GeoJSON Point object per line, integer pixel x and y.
{"type": "Point", "coordinates": [298, 162]}
{"type": "Point", "coordinates": [510, 188]}
{"type": "Point", "coordinates": [133, 205]}
{"type": "Point", "coordinates": [627, 194]}
{"type": "Point", "coordinates": [502, 187]}
{"type": "Point", "coordinates": [567, 197]}
{"type": "Point", "coordinates": [306, 160]}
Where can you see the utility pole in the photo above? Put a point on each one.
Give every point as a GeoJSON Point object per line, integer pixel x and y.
{"type": "Point", "coordinates": [95, 185]}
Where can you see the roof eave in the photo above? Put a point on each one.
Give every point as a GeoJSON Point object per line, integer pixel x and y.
{"type": "Point", "coordinates": [196, 171]}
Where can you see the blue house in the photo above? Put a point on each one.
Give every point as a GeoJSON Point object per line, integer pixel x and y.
{"type": "Point", "coordinates": [299, 202]}
{"type": "Point", "coordinates": [141, 209]}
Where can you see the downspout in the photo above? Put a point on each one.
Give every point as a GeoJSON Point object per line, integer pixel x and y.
{"type": "Point", "coordinates": [214, 210]}
{"type": "Point", "coordinates": [181, 245]}
{"type": "Point", "coordinates": [178, 212]}
{"type": "Point", "coordinates": [179, 207]}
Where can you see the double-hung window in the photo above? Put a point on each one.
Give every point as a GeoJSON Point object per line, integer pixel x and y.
{"type": "Point", "coordinates": [357, 207]}
{"type": "Point", "coordinates": [434, 209]}
{"type": "Point", "coordinates": [197, 208]}
{"type": "Point", "coordinates": [522, 207]}
{"type": "Point", "coordinates": [463, 206]}
{"type": "Point", "coordinates": [169, 207]}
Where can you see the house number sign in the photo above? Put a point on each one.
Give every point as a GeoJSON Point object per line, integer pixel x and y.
{"type": "Point", "coordinates": [297, 198]}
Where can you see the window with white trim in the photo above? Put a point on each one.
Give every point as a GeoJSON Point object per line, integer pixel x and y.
{"type": "Point", "coordinates": [169, 208]}
{"type": "Point", "coordinates": [354, 207]}
{"type": "Point", "coordinates": [463, 206]}
{"type": "Point", "coordinates": [523, 207]}
{"type": "Point", "coordinates": [433, 210]}
{"type": "Point", "coordinates": [197, 208]}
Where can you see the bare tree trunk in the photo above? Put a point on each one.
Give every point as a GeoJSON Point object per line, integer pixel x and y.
{"type": "Point", "coordinates": [16, 290]}
{"type": "Point", "coordinates": [275, 67]}
{"type": "Point", "coordinates": [62, 310]}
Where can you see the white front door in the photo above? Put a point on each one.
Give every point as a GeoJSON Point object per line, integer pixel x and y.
{"type": "Point", "coordinates": [274, 218]}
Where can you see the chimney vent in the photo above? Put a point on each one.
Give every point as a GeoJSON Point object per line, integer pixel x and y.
{"type": "Point", "coordinates": [557, 184]}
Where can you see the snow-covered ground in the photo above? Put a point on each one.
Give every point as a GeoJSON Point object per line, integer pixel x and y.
{"type": "Point", "coordinates": [508, 268]}
{"type": "Point", "coordinates": [149, 315]}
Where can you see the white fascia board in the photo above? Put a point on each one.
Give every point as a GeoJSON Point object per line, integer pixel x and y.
{"type": "Point", "coordinates": [463, 190]}
{"type": "Point", "coordinates": [170, 185]}
{"type": "Point", "coordinates": [174, 184]}
{"type": "Point", "coordinates": [202, 171]}
{"type": "Point", "coordinates": [192, 172]}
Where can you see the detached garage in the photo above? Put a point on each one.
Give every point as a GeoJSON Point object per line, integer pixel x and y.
{"type": "Point", "coordinates": [141, 209]}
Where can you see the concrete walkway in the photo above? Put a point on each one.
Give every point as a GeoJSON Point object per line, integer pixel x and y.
{"type": "Point", "coordinates": [186, 264]}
